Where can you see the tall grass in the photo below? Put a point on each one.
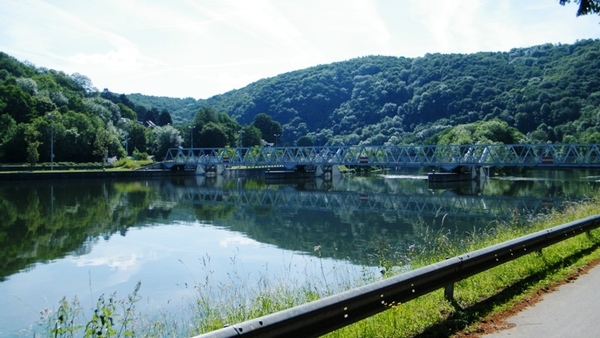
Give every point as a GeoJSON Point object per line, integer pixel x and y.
{"type": "Point", "coordinates": [222, 303]}
{"type": "Point", "coordinates": [477, 297]}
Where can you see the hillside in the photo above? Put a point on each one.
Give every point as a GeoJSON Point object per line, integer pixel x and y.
{"type": "Point", "coordinates": [548, 92]}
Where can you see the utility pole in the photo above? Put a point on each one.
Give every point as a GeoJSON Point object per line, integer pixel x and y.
{"type": "Point", "coordinates": [276, 137]}
{"type": "Point", "coordinates": [192, 135]}
{"type": "Point", "coordinates": [51, 141]}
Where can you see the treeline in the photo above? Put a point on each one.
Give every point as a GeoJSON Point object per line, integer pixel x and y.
{"type": "Point", "coordinates": [44, 111]}
{"type": "Point", "coordinates": [549, 93]}
{"type": "Point", "coordinates": [546, 93]}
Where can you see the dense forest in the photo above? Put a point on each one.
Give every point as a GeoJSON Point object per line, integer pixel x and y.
{"type": "Point", "coordinates": [539, 94]}
{"type": "Point", "coordinates": [548, 93]}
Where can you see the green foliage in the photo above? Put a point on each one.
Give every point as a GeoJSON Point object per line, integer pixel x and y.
{"type": "Point", "coordinates": [483, 132]}
{"type": "Point", "coordinates": [101, 144]}
{"type": "Point", "coordinates": [31, 137]}
{"type": "Point", "coordinates": [270, 130]}
{"type": "Point", "coordinates": [140, 156]}
{"type": "Point", "coordinates": [585, 6]}
{"type": "Point", "coordinates": [164, 138]}
{"type": "Point", "coordinates": [106, 320]}
{"type": "Point", "coordinates": [251, 136]}
{"type": "Point", "coordinates": [65, 319]}
{"type": "Point", "coordinates": [29, 95]}
{"type": "Point", "coordinates": [549, 93]}
{"type": "Point", "coordinates": [211, 129]}
{"type": "Point", "coordinates": [388, 100]}
{"type": "Point", "coordinates": [305, 141]}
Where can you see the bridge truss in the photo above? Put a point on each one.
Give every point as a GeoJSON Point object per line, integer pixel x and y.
{"type": "Point", "coordinates": [346, 202]}
{"type": "Point", "coordinates": [445, 156]}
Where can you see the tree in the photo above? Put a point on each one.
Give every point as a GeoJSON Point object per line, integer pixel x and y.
{"type": "Point", "coordinates": [164, 118]}
{"type": "Point", "coordinates": [213, 136]}
{"type": "Point", "coordinates": [305, 141]}
{"type": "Point", "coordinates": [230, 126]}
{"type": "Point", "coordinates": [164, 138]}
{"type": "Point", "coordinates": [32, 140]}
{"type": "Point", "coordinates": [101, 144]}
{"type": "Point", "coordinates": [138, 138]}
{"type": "Point", "coordinates": [74, 135]}
{"type": "Point", "coordinates": [152, 115]}
{"type": "Point", "coordinates": [270, 130]}
{"type": "Point", "coordinates": [8, 128]}
{"type": "Point", "coordinates": [84, 82]}
{"type": "Point", "coordinates": [250, 136]}
{"type": "Point", "coordinates": [18, 103]}
{"type": "Point", "coordinates": [127, 112]}
{"type": "Point", "coordinates": [483, 132]}
{"type": "Point", "coordinates": [585, 6]}
{"type": "Point", "coordinates": [204, 116]}
{"type": "Point", "coordinates": [43, 105]}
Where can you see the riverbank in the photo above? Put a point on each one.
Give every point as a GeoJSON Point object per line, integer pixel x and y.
{"type": "Point", "coordinates": [431, 315]}
{"type": "Point", "coordinates": [484, 299]}
{"type": "Point", "coordinates": [90, 174]}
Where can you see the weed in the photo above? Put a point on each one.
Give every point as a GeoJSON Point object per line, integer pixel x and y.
{"type": "Point", "coordinates": [220, 304]}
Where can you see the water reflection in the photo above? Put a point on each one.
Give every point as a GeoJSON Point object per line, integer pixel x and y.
{"type": "Point", "coordinates": [43, 221]}
{"type": "Point", "coordinates": [112, 233]}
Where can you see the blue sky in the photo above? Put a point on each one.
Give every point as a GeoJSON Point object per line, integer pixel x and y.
{"type": "Point", "coordinates": [200, 48]}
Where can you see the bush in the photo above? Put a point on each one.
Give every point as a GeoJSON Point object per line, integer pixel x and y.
{"type": "Point", "coordinates": [140, 156]}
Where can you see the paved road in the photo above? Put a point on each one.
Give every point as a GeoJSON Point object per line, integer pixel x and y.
{"type": "Point", "coordinates": [571, 311]}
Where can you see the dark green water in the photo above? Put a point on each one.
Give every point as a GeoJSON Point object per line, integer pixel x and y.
{"type": "Point", "coordinates": [82, 239]}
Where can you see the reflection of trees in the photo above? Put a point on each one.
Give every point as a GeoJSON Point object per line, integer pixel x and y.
{"type": "Point", "coordinates": [354, 236]}
{"type": "Point", "coordinates": [42, 222]}
{"type": "Point", "coordinates": [210, 213]}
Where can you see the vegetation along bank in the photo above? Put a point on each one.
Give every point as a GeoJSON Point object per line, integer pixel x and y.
{"type": "Point", "coordinates": [538, 94]}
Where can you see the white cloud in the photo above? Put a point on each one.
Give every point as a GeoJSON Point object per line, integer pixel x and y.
{"type": "Point", "coordinates": [202, 48]}
{"type": "Point", "coordinates": [237, 240]}
{"type": "Point", "coordinates": [117, 261]}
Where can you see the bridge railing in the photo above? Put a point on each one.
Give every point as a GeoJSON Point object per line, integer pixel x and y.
{"type": "Point", "coordinates": [336, 311]}
{"type": "Point", "coordinates": [571, 155]}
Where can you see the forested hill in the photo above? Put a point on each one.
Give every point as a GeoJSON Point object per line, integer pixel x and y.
{"type": "Point", "coordinates": [548, 92]}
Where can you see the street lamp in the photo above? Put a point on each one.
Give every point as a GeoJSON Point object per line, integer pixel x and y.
{"type": "Point", "coordinates": [276, 137]}
{"type": "Point", "coordinates": [240, 143]}
{"type": "Point", "coordinates": [192, 135]}
{"type": "Point", "coordinates": [51, 116]}
{"type": "Point", "coordinates": [126, 144]}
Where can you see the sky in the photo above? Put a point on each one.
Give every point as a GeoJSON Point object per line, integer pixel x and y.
{"type": "Point", "coordinates": [201, 48]}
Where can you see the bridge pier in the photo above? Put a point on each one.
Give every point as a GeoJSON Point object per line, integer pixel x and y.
{"type": "Point", "coordinates": [328, 173]}
{"type": "Point", "coordinates": [210, 170]}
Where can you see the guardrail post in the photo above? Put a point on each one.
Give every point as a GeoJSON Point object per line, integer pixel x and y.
{"type": "Point", "coordinates": [449, 292]}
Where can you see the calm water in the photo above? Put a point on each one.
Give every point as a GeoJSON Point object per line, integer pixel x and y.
{"type": "Point", "coordinates": [87, 238]}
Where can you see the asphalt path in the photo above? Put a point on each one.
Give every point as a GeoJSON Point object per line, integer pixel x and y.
{"type": "Point", "coordinates": [573, 310]}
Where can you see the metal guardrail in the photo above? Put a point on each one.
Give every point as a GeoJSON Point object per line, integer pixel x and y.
{"type": "Point", "coordinates": [336, 311]}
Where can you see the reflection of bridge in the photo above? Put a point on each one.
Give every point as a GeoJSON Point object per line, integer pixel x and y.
{"type": "Point", "coordinates": [447, 203]}
{"type": "Point", "coordinates": [445, 156]}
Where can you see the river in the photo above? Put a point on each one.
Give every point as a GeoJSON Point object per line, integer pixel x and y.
{"type": "Point", "coordinates": [83, 239]}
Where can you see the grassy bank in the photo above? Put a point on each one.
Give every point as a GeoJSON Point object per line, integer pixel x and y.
{"type": "Point", "coordinates": [490, 292]}
{"type": "Point", "coordinates": [122, 164]}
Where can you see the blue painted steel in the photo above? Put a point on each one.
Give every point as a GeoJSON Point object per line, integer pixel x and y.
{"type": "Point", "coordinates": [390, 204]}
{"type": "Point", "coordinates": [446, 156]}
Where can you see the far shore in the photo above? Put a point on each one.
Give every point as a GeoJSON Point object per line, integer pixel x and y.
{"type": "Point", "coordinates": [87, 173]}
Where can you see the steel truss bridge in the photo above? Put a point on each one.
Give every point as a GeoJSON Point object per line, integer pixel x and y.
{"type": "Point", "coordinates": [442, 156]}
{"type": "Point", "coordinates": [392, 204]}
